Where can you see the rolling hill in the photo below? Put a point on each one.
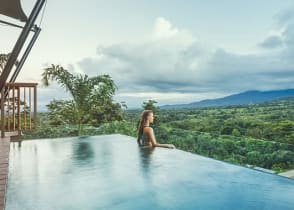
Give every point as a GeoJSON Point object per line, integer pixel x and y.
{"type": "Point", "coordinates": [248, 97]}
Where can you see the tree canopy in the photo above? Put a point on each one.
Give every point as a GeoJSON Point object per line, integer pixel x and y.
{"type": "Point", "coordinates": [92, 98]}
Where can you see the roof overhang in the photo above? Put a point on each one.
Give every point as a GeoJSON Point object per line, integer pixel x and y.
{"type": "Point", "coordinates": [13, 9]}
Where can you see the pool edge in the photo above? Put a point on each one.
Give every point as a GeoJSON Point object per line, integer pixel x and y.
{"type": "Point", "coordinates": [4, 163]}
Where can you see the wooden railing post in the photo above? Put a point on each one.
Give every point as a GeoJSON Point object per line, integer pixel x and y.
{"type": "Point", "coordinates": [35, 107]}
{"type": "Point", "coordinates": [18, 111]}
{"type": "Point", "coordinates": [13, 107]}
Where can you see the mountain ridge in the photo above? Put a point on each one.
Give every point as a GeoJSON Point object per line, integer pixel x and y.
{"type": "Point", "coordinates": [243, 98]}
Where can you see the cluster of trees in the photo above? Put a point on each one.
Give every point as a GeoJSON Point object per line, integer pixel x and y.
{"type": "Point", "coordinates": [270, 121]}
{"type": "Point", "coordinates": [241, 150]}
{"type": "Point", "coordinates": [259, 135]}
{"type": "Point", "coordinates": [92, 99]}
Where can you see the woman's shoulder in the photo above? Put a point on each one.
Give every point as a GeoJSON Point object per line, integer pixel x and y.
{"type": "Point", "coordinates": [148, 129]}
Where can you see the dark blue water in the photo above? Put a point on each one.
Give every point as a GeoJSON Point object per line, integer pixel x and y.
{"type": "Point", "coordinates": [111, 172]}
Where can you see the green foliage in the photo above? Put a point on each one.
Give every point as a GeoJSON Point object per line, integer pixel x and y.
{"type": "Point", "coordinates": [51, 132]}
{"type": "Point", "coordinates": [61, 112]}
{"type": "Point", "coordinates": [150, 105]}
{"type": "Point", "coordinates": [118, 127]}
{"type": "Point", "coordinates": [3, 60]}
{"type": "Point", "coordinates": [91, 102]}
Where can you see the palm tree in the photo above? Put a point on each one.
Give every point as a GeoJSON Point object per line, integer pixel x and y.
{"type": "Point", "coordinates": [86, 91]}
{"type": "Point", "coordinates": [3, 60]}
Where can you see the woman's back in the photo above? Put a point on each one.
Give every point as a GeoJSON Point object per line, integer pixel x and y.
{"type": "Point", "coordinates": [145, 136]}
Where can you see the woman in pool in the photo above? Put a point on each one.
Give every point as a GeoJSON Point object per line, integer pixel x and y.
{"type": "Point", "coordinates": [145, 133]}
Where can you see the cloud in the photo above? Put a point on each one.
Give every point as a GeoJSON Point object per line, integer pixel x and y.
{"type": "Point", "coordinates": [164, 29]}
{"type": "Point", "coordinates": [172, 62]}
{"type": "Point", "coordinates": [284, 17]}
{"type": "Point", "coordinates": [169, 59]}
{"type": "Point", "coordinates": [272, 42]}
{"type": "Point", "coordinates": [47, 94]}
{"type": "Point", "coordinates": [285, 31]}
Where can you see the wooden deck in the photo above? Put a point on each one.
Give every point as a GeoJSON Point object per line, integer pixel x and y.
{"type": "Point", "coordinates": [4, 160]}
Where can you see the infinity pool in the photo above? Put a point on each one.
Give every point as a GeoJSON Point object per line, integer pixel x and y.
{"type": "Point", "coordinates": [111, 172]}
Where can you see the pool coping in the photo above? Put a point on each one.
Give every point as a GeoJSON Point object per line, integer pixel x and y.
{"type": "Point", "coordinates": [4, 161]}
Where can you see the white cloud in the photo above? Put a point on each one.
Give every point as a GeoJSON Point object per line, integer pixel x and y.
{"type": "Point", "coordinates": [164, 29]}
{"type": "Point", "coordinates": [174, 57]}
{"type": "Point", "coordinates": [164, 34]}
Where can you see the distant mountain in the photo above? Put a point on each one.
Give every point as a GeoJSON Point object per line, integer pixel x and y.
{"type": "Point", "coordinates": [248, 97]}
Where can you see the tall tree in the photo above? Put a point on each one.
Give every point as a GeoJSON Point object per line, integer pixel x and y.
{"type": "Point", "coordinates": [90, 95]}
{"type": "Point", "coordinates": [150, 105]}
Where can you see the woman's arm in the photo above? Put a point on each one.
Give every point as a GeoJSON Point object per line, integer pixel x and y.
{"type": "Point", "coordinates": [154, 142]}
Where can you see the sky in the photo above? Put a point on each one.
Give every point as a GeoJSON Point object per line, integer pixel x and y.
{"type": "Point", "coordinates": [170, 51]}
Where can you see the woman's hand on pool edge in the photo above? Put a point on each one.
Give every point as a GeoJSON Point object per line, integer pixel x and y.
{"type": "Point", "coordinates": [171, 146]}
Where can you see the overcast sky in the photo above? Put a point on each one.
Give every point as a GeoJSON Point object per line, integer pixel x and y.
{"type": "Point", "coordinates": [171, 51]}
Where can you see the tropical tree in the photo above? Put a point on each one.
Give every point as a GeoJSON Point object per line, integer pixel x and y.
{"type": "Point", "coordinates": [91, 97]}
{"type": "Point", "coordinates": [3, 60]}
{"type": "Point", "coordinates": [150, 105]}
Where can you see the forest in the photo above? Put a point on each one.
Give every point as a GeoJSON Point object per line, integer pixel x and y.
{"type": "Point", "coordinates": [250, 135]}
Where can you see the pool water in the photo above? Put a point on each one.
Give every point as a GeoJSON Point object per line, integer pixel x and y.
{"type": "Point", "coordinates": [112, 172]}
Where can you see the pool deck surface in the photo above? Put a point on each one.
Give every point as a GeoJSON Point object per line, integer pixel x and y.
{"type": "Point", "coordinates": [4, 159]}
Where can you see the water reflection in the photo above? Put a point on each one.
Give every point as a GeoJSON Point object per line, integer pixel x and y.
{"type": "Point", "coordinates": [16, 143]}
{"type": "Point", "coordinates": [104, 158]}
{"type": "Point", "coordinates": [145, 154]}
{"type": "Point", "coordinates": [83, 152]}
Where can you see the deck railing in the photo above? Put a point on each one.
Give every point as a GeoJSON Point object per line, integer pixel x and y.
{"type": "Point", "coordinates": [18, 107]}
